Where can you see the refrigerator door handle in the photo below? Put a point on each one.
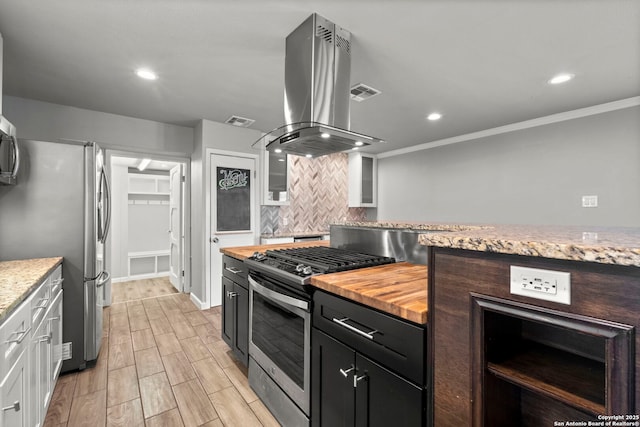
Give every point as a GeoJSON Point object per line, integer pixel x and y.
{"type": "Point", "coordinates": [104, 278]}
{"type": "Point", "coordinates": [103, 227]}
{"type": "Point", "coordinates": [107, 219]}
{"type": "Point", "coordinates": [16, 156]}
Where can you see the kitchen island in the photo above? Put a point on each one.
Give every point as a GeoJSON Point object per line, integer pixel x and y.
{"type": "Point", "coordinates": [502, 350]}
{"type": "Point", "coordinates": [495, 357]}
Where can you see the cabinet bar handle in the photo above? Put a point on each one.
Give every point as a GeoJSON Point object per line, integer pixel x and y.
{"type": "Point", "coordinates": [231, 294]}
{"type": "Point", "coordinates": [233, 270]}
{"type": "Point", "coordinates": [342, 322]}
{"type": "Point", "coordinates": [345, 373]}
{"type": "Point", "coordinates": [19, 339]}
{"type": "Point", "coordinates": [45, 338]}
{"type": "Point", "coordinates": [14, 407]}
{"type": "Point", "coordinates": [38, 307]}
{"type": "Point", "coordinates": [357, 379]}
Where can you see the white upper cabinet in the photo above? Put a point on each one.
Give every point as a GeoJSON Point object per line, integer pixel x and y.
{"type": "Point", "coordinates": [363, 180]}
{"type": "Point", "coordinates": [275, 178]}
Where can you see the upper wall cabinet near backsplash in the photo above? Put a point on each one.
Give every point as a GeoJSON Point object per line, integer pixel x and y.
{"type": "Point", "coordinates": [363, 180]}
{"type": "Point", "coordinates": [275, 178]}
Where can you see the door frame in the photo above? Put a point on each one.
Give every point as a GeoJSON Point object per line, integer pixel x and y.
{"type": "Point", "coordinates": [186, 208]}
{"type": "Point", "coordinates": [207, 210]}
{"type": "Point", "coordinates": [181, 228]}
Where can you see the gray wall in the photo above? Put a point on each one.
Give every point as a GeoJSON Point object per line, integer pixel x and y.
{"type": "Point", "coordinates": [217, 136]}
{"type": "Point", "coordinates": [50, 122]}
{"type": "Point", "coordinates": [532, 176]}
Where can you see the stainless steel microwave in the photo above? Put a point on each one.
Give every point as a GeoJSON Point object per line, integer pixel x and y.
{"type": "Point", "coordinates": [9, 153]}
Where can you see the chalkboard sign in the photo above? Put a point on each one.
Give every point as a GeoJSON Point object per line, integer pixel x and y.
{"type": "Point", "coordinates": [233, 191]}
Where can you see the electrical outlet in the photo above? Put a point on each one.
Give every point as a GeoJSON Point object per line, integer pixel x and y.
{"type": "Point", "coordinates": [541, 284]}
{"type": "Point", "coordinates": [589, 201]}
{"type": "Point", "coordinates": [285, 221]}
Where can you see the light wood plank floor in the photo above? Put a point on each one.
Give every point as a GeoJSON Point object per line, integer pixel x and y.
{"type": "Point", "coordinates": [138, 289]}
{"type": "Point", "coordinates": [162, 363]}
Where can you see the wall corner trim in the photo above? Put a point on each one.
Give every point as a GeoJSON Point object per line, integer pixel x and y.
{"type": "Point", "coordinates": [540, 121]}
{"type": "Point", "coordinates": [201, 305]}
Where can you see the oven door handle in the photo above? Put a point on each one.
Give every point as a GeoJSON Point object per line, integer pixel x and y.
{"type": "Point", "coordinates": [276, 296]}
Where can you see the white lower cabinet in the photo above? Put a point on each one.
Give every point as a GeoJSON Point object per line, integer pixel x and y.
{"type": "Point", "coordinates": [55, 322]}
{"type": "Point", "coordinates": [13, 394]}
{"type": "Point", "coordinates": [31, 349]}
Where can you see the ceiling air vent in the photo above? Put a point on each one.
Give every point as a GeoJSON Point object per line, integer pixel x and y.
{"type": "Point", "coordinates": [238, 121]}
{"type": "Point", "coordinates": [360, 92]}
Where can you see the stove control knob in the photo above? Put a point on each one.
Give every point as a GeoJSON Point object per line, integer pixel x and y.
{"type": "Point", "coordinates": [307, 271]}
{"type": "Point", "coordinates": [300, 268]}
{"type": "Point", "coordinates": [258, 256]}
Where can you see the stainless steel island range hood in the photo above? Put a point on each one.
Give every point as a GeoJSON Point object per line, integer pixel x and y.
{"type": "Point", "coordinates": [316, 100]}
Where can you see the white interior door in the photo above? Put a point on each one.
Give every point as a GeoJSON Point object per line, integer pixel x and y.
{"type": "Point", "coordinates": [175, 227]}
{"type": "Point", "coordinates": [233, 211]}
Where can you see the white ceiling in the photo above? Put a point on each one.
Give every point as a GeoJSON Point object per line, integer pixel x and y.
{"type": "Point", "coordinates": [482, 63]}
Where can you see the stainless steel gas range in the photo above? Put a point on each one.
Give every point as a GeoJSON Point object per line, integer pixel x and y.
{"type": "Point", "coordinates": [280, 303]}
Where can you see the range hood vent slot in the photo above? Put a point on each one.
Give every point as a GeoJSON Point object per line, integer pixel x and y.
{"type": "Point", "coordinates": [324, 33]}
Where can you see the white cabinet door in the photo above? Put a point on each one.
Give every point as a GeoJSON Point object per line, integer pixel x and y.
{"type": "Point", "coordinates": [13, 395]}
{"type": "Point", "coordinates": [55, 319]}
{"type": "Point", "coordinates": [40, 367]}
{"type": "Point", "coordinates": [363, 180]}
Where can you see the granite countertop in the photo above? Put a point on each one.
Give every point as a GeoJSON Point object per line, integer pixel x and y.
{"type": "Point", "coordinates": [604, 245]}
{"type": "Point", "coordinates": [19, 278]}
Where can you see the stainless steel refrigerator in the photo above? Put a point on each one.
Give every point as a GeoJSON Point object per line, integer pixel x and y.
{"type": "Point", "coordinates": [60, 207]}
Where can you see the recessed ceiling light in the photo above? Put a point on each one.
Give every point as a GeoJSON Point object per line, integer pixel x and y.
{"type": "Point", "coordinates": [355, 148]}
{"type": "Point", "coordinates": [325, 135]}
{"type": "Point", "coordinates": [359, 143]}
{"type": "Point", "coordinates": [434, 116]}
{"type": "Point", "coordinates": [146, 74]}
{"type": "Point", "coordinates": [308, 156]}
{"type": "Point", "coordinates": [278, 150]}
{"type": "Point", "coordinates": [561, 78]}
{"type": "Point", "coordinates": [281, 160]}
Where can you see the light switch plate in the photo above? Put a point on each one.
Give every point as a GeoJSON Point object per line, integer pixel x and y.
{"type": "Point", "coordinates": [541, 284]}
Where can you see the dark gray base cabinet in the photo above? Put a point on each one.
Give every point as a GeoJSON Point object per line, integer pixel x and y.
{"type": "Point", "coordinates": [349, 389]}
{"type": "Point", "coordinates": [235, 308]}
{"type": "Point", "coordinates": [367, 367]}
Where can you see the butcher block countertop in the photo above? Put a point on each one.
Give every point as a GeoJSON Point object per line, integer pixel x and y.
{"type": "Point", "coordinates": [19, 278]}
{"type": "Point", "coordinates": [242, 252]}
{"type": "Point", "coordinates": [399, 289]}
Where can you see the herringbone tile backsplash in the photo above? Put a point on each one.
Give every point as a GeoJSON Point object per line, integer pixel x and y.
{"type": "Point", "coordinates": [319, 196]}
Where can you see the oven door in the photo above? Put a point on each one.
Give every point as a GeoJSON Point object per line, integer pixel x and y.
{"type": "Point", "coordinates": [280, 337]}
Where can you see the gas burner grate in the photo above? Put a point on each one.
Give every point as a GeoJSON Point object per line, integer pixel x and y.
{"type": "Point", "coordinates": [329, 260]}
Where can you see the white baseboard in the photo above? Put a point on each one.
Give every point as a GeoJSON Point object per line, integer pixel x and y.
{"type": "Point", "coordinates": [201, 305]}
{"type": "Point", "coordinates": [139, 277]}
